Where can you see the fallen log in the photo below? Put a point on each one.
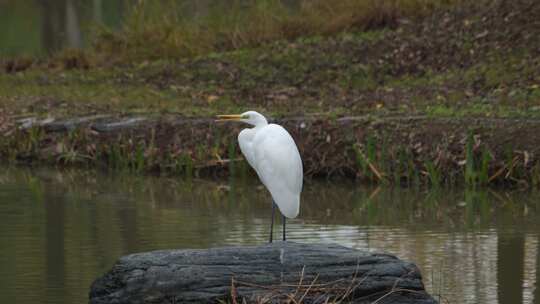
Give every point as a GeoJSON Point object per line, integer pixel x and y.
{"type": "Point", "coordinates": [281, 272]}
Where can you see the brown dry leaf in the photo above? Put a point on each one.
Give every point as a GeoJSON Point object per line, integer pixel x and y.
{"type": "Point", "coordinates": [211, 98]}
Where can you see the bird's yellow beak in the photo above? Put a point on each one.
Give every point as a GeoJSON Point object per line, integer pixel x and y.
{"type": "Point", "coordinates": [232, 117]}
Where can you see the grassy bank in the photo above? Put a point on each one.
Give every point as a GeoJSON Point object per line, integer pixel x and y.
{"type": "Point", "coordinates": [173, 29]}
{"type": "Point", "coordinates": [449, 95]}
{"type": "Point", "coordinates": [399, 150]}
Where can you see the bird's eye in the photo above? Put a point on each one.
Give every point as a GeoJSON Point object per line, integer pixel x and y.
{"type": "Point", "coordinates": [245, 116]}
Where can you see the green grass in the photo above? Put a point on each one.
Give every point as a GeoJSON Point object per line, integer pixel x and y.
{"type": "Point", "coordinates": [280, 78]}
{"type": "Point", "coordinates": [163, 30]}
{"type": "Point", "coordinates": [326, 70]}
{"type": "Point", "coordinates": [74, 93]}
{"type": "Point", "coordinates": [277, 60]}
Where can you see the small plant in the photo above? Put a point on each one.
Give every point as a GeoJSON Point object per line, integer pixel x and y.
{"type": "Point", "coordinates": [483, 174]}
{"type": "Point", "coordinates": [470, 173]}
{"type": "Point", "coordinates": [433, 173]}
{"type": "Point", "coordinates": [139, 161]}
{"type": "Point", "coordinates": [187, 165]}
{"type": "Point", "coordinates": [365, 162]}
{"type": "Point", "coordinates": [401, 167]}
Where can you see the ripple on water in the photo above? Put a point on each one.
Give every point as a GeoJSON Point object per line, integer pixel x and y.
{"type": "Point", "coordinates": [58, 234]}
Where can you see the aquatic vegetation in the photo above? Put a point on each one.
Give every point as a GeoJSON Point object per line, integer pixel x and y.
{"type": "Point", "coordinates": [470, 172]}
{"type": "Point", "coordinates": [370, 102]}
{"type": "Point", "coordinates": [368, 154]}
{"type": "Point", "coordinates": [433, 174]}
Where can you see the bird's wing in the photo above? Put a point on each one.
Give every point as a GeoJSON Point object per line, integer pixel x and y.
{"type": "Point", "coordinates": [245, 140]}
{"type": "Point", "coordinates": [279, 166]}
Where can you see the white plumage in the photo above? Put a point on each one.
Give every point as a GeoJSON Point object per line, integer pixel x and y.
{"type": "Point", "coordinates": [271, 151]}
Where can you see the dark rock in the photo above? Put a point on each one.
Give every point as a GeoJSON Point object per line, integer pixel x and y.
{"type": "Point", "coordinates": [273, 271]}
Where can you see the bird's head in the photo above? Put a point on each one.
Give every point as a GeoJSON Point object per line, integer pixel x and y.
{"type": "Point", "coordinates": [250, 117]}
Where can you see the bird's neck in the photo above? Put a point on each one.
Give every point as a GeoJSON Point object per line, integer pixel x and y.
{"type": "Point", "coordinates": [259, 121]}
{"type": "Point", "coordinates": [260, 124]}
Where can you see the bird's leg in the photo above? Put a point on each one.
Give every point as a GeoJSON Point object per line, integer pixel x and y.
{"type": "Point", "coordinates": [272, 221]}
{"type": "Point", "coordinates": [284, 238]}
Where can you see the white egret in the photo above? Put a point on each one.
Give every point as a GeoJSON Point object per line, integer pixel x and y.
{"type": "Point", "coordinates": [271, 151]}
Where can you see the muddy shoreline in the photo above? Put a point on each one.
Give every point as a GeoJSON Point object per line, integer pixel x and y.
{"type": "Point", "coordinates": [391, 149]}
{"type": "Point", "coordinates": [453, 98]}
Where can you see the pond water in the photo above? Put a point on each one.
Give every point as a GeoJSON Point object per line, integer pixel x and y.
{"type": "Point", "coordinates": [59, 230]}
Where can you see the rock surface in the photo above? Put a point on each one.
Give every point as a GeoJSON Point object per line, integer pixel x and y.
{"type": "Point", "coordinates": [270, 273]}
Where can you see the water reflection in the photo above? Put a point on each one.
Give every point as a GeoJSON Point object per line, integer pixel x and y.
{"type": "Point", "coordinates": [59, 230]}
